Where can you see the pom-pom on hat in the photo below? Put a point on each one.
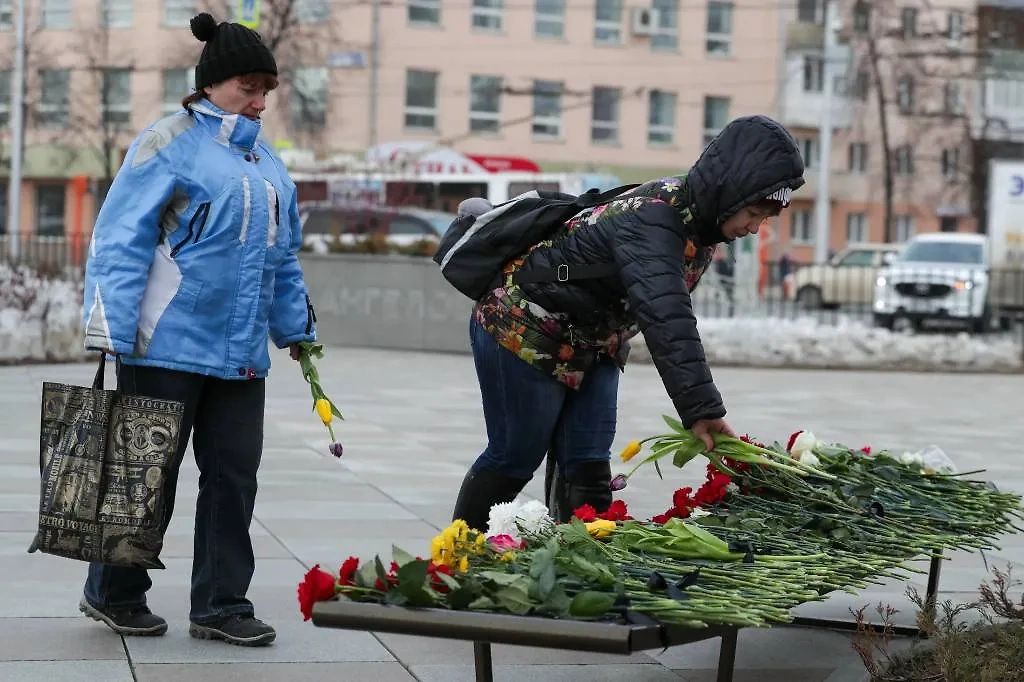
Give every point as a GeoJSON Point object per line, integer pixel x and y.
{"type": "Point", "coordinates": [231, 50]}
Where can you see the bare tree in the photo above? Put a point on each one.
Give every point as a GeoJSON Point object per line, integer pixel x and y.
{"type": "Point", "coordinates": [914, 78]}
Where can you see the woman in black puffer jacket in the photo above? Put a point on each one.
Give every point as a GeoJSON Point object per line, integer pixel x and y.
{"type": "Point", "coordinates": [549, 354]}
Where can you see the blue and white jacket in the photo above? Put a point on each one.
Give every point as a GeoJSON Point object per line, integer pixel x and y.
{"type": "Point", "coordinates": [193, 257]}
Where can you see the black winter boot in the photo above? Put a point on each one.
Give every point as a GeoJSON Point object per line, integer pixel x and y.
{"type": "Point", "coordinates": [590, 484]}
{"type": "Point", "coordinates": [481, 490]}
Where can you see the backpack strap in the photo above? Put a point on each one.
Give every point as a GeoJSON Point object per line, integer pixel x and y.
{"type": "Point", "coordinates": [565, 272]}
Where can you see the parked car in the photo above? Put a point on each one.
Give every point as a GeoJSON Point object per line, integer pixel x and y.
{"type": "Point", "coordinates": [402, 225]}
{"type": "Point", "coordinates": [848, 277]}
{"type": "Point", "coordinates": [947, 278]}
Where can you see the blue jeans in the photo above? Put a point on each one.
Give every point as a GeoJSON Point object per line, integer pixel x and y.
{"type": "Point", "coordinates": [528, 412]}
{"type": "Point", "coordinates": [225, 420]}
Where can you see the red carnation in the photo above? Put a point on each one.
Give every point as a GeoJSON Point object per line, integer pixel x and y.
{"type": "Point", "coordinates": [792, 439]}
{"type": "Point", "coordinates": [317, 585]}
{"type": "Point", "coordinates": [586, 513]}
{"type": "Point", "coordinates": [617, 511]}
{"type": "Point", "coordinates": [347, 573]}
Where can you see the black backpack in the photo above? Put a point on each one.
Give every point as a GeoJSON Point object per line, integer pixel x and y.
{"type": "Point", "coordinates": [475, 249]}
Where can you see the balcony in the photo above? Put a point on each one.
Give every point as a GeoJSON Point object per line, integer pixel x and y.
{"type": "Point", "coordinates": [842, 186]}
{"type": "Point", "coordinates": [805, 35]}
{"type": "Point", "coordinates": [803, 107]}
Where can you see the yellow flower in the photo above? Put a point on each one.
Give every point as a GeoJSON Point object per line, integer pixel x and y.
{"type": "Point", "coordinates": [463, 564]}
{"type": "Point", "coordinates": [323, 409]}
{"type": "Point", "coordinates": [601, 528]}
{"type": "Point", "coordinates": [631, 450]}
{"type": "Point", "coordinates": [508, 556]}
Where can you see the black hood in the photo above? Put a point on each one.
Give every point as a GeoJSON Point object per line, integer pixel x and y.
{"type": "Point", "coordinates": [750, 159]}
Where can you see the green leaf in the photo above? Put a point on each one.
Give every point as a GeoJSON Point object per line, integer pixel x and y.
{"type": "Point", "coordinates": [557, 602]}
{"type": "Point", "coordinates": [682, 457]}
{"type": "Point", "coordinates": [514, 600]}
{"type": "Point", "coordinates": [449, 581]}
{"type": "Point", "coordinates": [482, 604]}
{"type": "Point", "coordinates": [366, 576]}
{"type": "Point", "coordinates": [503, 579]}
{"type": "Point", "coordinates": [674, 424]}
{"type": "Point", "coordinates": [400, 556]}
{"type": "Point", "coordinates": [464, 597]}
{"type": "Point", "coordinates": [412, 579]}
{"type": "Point", "coordinates": [590, 604]}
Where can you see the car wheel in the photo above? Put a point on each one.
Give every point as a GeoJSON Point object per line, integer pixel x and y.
{"type": "Point", "coordinates": [809, 298]}
{"type": "Point", "coordinates": [884, 321]}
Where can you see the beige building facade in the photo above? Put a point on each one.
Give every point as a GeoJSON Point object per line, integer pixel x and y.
{"type": "Point", "coordinates": [634, 89]}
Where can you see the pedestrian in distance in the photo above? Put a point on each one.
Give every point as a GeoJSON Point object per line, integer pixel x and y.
{"type": "Point", "coordinates": [193, 264]}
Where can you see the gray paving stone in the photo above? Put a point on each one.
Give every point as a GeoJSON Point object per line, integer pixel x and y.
{"type": "Point", "coordinates": [436, 651]}
{"type": "Point", "coordinates": [272, 672]}
{"type": "Point", "coordinates": [761, 675]}
{"type": "Point", "coordinates": [57, 639]}
{"type": "Point", "coordinates": [295, 643]}
{"type": "Point", "coordinates": [66, 671]}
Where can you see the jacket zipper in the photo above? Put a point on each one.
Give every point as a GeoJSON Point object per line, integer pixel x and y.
{"type": "Point", "coordinates": [204, 211]}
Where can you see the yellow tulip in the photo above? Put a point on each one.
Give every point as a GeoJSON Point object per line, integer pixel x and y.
{"type": "Point", "coordinates": [323, 409]}
{"type": "Point", "coordinates": [601, 528]}
{"type": "Point", "coordinates": [463, 564]}
{"type": "Point", "coordinates": [631, 450]}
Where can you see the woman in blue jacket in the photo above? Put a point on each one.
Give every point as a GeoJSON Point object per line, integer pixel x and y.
{"type": "Point", "coordinates": [192, 265]}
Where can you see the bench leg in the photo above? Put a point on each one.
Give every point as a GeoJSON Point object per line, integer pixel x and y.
{"type": "Point", "coordinates": [727, 656]}
{"type": "Point", "coordinates": [482, 660]}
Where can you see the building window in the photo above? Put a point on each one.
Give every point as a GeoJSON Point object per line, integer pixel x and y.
{"type": "Point", "coordinates": [716, 116]}
{"type": "Point", "coordinates": [810, 11]}
{"type": "Point", "coordinates": [424, 12]}
{"type": "Point", "coordinates": [116, 13]}
{"type": "Point", "coordinates": [905, 94]}
{"type": "Point", "coordinates": [814, 73]}
{"type": "Point", "coordinates": [666, 36]}
{"type": "Point", "coordinates": [955, 26]}
{"type": "Point", "coordinates": [177, 83]}
{"type": "Point", "coordinates": [908, 22]}
{"type": "Point", "coordinates": [308, 99]}
{"type": "Point", "coordinates": [861, 17]}
{"type": "Point", "coordinates": [951, 163]}
{"type": "Point", "coordinates": [484, 103]}
{"type": "Point", "coordinates": [547, 109]}
{"type": "Point", "coordinates": [661, 117]}
{"type": "Point", "coordinates": [856, 228]}
{"type": "Point", "coordinates": [719, 28]}
{"type": "Point", "coordinates": [801, 226]}
{"type": "Point", "coordinates": [487, 14]}
{"type": "Point", "coordinates": [3, 208]}
{"type": "Point", "coordinates": [604, 114]}
{"type": "Point", "coordinates": [421, 99]}
{"type": "Point", "coordinates": [949, 223]}
{"type": "Point", "coordinates": [549, 19]}
{"type": "Point", "coordinates": [903, 161]}
{"type": "Point", "coordinates": [952, 103]}
{"type": "Point", "coordinates": [809, 150]}
{"type": "Point", "coordinates": [5, 98]}
{"type": "Point", "coordinates": [56, 14]}
{"type": "Point", "coordinates": [608, 22]}
{"type": "Point", "coordinates": [904, 228]}
{"type": "Point", "coordinates": [50, 210]}
{"type": "Point", "coordinates": [310, 11]}
{"type": "Point", "coordinates": [54, 109]}
{"type": "Point", "coordinates": [857, 157]}
{"type": "Point", "coordinates": [6, 15]}
{"type": "Point", "coordinates": [116, 96]}
{"type": "Point", "coordinates": [861, 84]}
{"type": "Point", "coordinates": [178, 12]}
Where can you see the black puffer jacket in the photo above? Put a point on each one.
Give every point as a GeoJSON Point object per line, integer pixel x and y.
{"type": "Point", "coordinates": [751, 158]}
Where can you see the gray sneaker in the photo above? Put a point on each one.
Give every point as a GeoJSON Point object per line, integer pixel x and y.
{"type": "Point", "coordinates": [240, 630]}
{"type": "Point", "coordinates": [138, 621]}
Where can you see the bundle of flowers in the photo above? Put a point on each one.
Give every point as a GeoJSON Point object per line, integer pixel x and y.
{"type": "Point", "coordinates": [322, 405]}
{"type": "Point", "coordinates": [770, 529]}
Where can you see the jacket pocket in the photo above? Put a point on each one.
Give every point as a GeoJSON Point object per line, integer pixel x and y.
{"type": "Point", "coordinates": [195, 227]}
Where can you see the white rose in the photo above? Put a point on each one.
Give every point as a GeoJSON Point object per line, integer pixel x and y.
{"type": "Point", "coordinates": [810, 459]}
{"type": "Point", "coordinates": [804, 442]}
{"type": "Point", "coordinates": [911, 458]}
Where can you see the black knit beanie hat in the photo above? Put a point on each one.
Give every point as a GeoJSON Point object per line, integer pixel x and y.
{"type": "Point", "coordinates": [231, 50]}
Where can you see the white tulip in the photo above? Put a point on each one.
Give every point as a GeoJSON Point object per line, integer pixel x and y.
{"type": "Point", "coordinates": [805, 442]}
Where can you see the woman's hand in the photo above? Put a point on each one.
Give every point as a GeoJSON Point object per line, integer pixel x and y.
{"type": "Point", "coordinates": [295, 350]}
{"type": "Point", "coordinates": [706, 428]}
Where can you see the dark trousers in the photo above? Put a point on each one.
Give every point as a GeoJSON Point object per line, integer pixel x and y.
{"type": "Point", "coordinates": [225, 421]}
{"type": "Point", "coordinates": [527, 412]}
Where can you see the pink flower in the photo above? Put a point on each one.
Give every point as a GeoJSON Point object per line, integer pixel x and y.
{"type": "Point", "coordinates": [504, 543]}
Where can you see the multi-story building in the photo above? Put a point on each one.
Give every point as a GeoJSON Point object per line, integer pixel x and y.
{"type": "Point", "coordinates": [634, 89]}
{"type": "Point", "coordinates": [905, 86]}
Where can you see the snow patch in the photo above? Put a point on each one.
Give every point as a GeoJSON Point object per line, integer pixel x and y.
{"type": "Point", "coordinates": [40, 316]}
{"type": "Point", "coordinates": [805, 342]}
